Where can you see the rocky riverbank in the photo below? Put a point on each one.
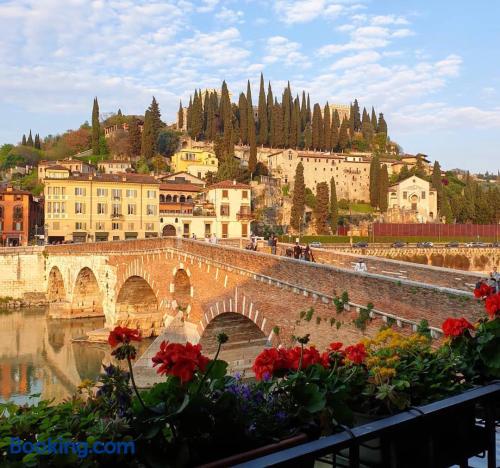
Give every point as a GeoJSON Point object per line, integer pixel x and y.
{"type": "Point", "coordinates": [28, 300]}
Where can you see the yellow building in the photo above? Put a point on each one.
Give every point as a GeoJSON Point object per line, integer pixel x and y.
{"type": "Point", "coordinates": [101, 207]}
{"type": "Point", "coordinates": [195, 161]}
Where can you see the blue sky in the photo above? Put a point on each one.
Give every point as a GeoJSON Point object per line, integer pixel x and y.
{"type": "Point", "coordinates": [432, 67]}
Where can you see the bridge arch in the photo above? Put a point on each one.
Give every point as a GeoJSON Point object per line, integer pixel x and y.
{"type": "Point", "coordinates": [87, 296]}
{"type": "Point", "coordinates": [135, 297]}
{"type": "Point", "coordinates": [55, 288]}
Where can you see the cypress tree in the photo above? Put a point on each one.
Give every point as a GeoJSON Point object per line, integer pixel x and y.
{"type": "Point", "coordinates": [336, 119]}
{"type": "Point", "coordinates": [278, 125]}
{"type": "Point", "coordinates": [270, 110]}
{"type": "Point", "coordinates": [180, 116]}
{"type": "Point", "coordinates": [343, 135]}
{"type": "Point", "coordinates": [294, 121]}
{"type": "Point", "coordinates": [404, 173]}
{"type": "Point", "coordinates": [147, 146]}
{"type": "Point", "coordinates": [374, 120]}
{"type": "Point", "coordinates": [213, 117]}
{"type": "Point", "coordinates": [225, 105]}
{"type": "Point", "coordinates": [251, 120]}
{"type": "Point", "coordinates": [367, 130]}
{"type": "Point", "coordinates": [374, 185]}
{"type": "Point", "coordinates": [23, 141]}
{"type": "Point", "coordinates": [351, 121]}
{"type": "Point", "coordinates": [327, 129]}
{"type": "Point", "coordinates": [334, 207]}
{"type": "Point", "coordinates": [308, 110]}
{"type": "Point", "coordinates": [321, 208]}
{"type": "Point", "coordinates": [334, 137]}
{"type": "Point", "coordinates": [156, 124]}
{"type": "Point", "coordinates": [303, 111]}
{"type": "Point", "coordinates": [298, 200]}
{"type": "Point", "coordinates": [382, 126]}
{"type": "Point", "coordinates": [29, 141]}
{"type": "Point", "coordinates": [134, 138]}
{"type": "Point", "coordinates": [298, 125]}
{"type": "Point", "coordinates": [196, 117]}
{"type": "Point", "coordinates": [437, 184]}
{"type": "Point", "coordinates": [357, 118]}
{"type": "Point", "coordinates": [383, 183]}
{"type": "Point", "coordinates": [37, 142]}
{"type": "Point", "coordinates": [308, 137]}
{"type": "Point", "coordinates": [96, 127]}
{"type": "Point", "coordinates": [263, 122]}
{"type": "Point", "coordinates": [243, 110]}
{"type": "Point", "coordinates": [317, 127]}
{"type": "Point", "coordinates": [206, 110]}
{"type": "Point", "coordinates": [189, 113]}
{"type": "Point", "coordinates": [287, 115]}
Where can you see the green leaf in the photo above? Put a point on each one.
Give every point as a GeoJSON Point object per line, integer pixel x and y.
{"type": "Point", "coordinates": [217, 369]}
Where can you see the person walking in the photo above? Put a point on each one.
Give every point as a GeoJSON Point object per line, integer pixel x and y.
{"type": "Point", "coordinates": [274, 245]}
{"type": "Point", "coordinates": [308, 255]}
{"type": "Point", "coordinates": [297, 250]}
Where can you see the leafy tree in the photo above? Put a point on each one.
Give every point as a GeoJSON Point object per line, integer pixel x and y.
{"type": "Point", "coordinates": [119, 143]}
{"type": "Point", "coordinates": [103, 146]}
{"type": "Point", "coordinates": [334, 208]}
{"type": "Point", "coordinates": [445, 210]}
{"type": "Point", "coordinates": [142, 166]}
{"type": "Point", "coordinates": [159, 164]}
{"type": "Point", "coordinates": [167, 142]}
{"type": "Point", "coordinates": [147, 146]}
{"type": "Point", "coordinates": [380, 142]}
{"type": "Point", "coordinates": [374, 183]}
{"type": "Point", "coordinates": [298, 200]}
{"type": "Point", "coordinates": [29, 141]}
{"type": "Point", "coordinates": [134, 138]}
{"type": "Point", "coordinates": [156, 122]}
{"type": "Point", "coordinates": [19, 156]}
{"type": "Point", "coordinates": [180, 116]}
{"type": "Point", "coordinates": [229, 169]}
{"type": "Point", "coordinates": [383, 189]}
{"type": "Point", "coordinates": [263, 122]}
{"type": "Point", "coordinates": [243, 111]}
{"type": "Point", "coordinates": [437, 184]}
{"type": "Point", "coordinates": [96, 127]}
{"type": "Point", "coordinates": [404, 173]}
{"type": "Point", "coordinates": [321, 209]}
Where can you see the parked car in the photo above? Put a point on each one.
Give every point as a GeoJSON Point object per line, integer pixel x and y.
{"type": "Point", "coordinates": [476, 244]}
{"type": "Point", "coordinates": [495, 244]}
{"type": "Point", "coordinates": [452, 244]}
{"type": "Point", "coordinates": [316, 245]}
{"type": "Point", "coordinates": [425, 245]}
{"type": "Point", "coordinates": [360, 244]}
{"type": "Point", "coordinates": [398, 244]}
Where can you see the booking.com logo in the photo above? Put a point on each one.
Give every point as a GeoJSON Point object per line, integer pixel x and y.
{"type": "Point", "coordinates": [64, 447]}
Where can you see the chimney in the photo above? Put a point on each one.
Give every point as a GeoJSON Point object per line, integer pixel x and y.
{"type": "Point", "coordinates": [124, 179]}
{"type": "Point", "coordinates": [234, 182]}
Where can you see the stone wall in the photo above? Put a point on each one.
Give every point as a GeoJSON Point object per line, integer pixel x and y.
{"type": "Point", "coordinates": [21, 272]}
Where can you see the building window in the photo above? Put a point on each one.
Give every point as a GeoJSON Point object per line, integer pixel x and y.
{"type": "Point", "coordinates": [131, 209]}
{"type": "Point", "coordinates": [102, 192]}
{"type": "Point", "coordinates": [79, 191]}
{"type": "Point", "coordinates": [224, 210]}
{"type": "Point", "coordinates": [1, 212]}
{"type": "Point", "coordinates": [224, 230]}
{"type": "Point", "coordinates": [405, 195]}
{"type": "Point", "coordinates": [115, 226]}
{"type": "Point", "coordinates": [131, 193]}
{"type": "Point", "coordinates": [150, 227]}
{"type": "Point", "coordinates": [225, 193]}
{"type": "Point", "coordinates": [18, 212]}
{"type": "Point", "coordinates": [116, 194]}
{"type": "Point", "coordinates": [116, 210]}
{"type": "Point", "coordinates": [207, 229]}
{"type": "Point", "coordinates": [18, 226]}
{"type": "Point", "coordinates": [151, 193]}
{"type": "Point", "coordinates": [79, 208]}
{"type": "Point", "coordinates": [151, 210]}
{"type": "Point", "coordinates": [101, 208]}
{"type": "Point", "coordinates": [80, 226]}
{"type": "Point", "coordinates": [244, 230]}
{"type": "Point", "coordinates": [244, 194]}
{"type": "Point", "coordinates": [423, 196]}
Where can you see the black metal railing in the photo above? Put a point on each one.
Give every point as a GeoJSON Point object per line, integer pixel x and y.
{"type": "Point", "coordinates": [444, 433]}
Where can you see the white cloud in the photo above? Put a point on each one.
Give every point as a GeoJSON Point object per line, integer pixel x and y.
{"type": "Point", "coordinates": [228, 16]}
{"type": "Point", "coordinates": [207, 6]}
{"type": "Point", "coordinates": [280, 49]}
{"type": "Point", "coordinates": [450, 66]}
{"type": "Point", "coordinates": [302, 11]}
{"type": "Point", "coordinates": [388, 19]}
{"type": "Point", "coordinates": [403, 33]}
{"type": "Point", "coordinates": [356, 60]}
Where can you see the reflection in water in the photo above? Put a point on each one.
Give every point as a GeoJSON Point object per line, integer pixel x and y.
{"type": "Point", "coordinates": [38, 355]}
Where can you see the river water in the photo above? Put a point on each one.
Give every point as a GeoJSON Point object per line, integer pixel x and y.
{"type": "Point", "coordinates": [40, 360]}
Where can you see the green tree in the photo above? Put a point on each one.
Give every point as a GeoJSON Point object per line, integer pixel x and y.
{"type": "Point", "coordinates": [196, 117]}
{"type": "Point", "coordinates": [252, 159]}
{"type": "Point", "coordinates": [334, 136]}
{"type": "Point", "coordinates": [286, 102]}
{"type": "Point", "coordinates": [23, 140]}
{"type": "Point", "coordinates": [445, 210]}
{"type": "Point", "coordinates": [357, 118]}
{"type": "Point", "coordinates": [437, 184]}
{"type": "Point", "coordinates": [96, 127]}
{"type": "Point", "coordinates": [374, 120]}
{"type": "Point", "coordinates": [167, 142]}
{"type": "Point", "coordinates": [404, 173]}
{"type": "Point", "coordinates": [298, 200]}
{"type": "Point", "coordinates": [382, 126]}
{"type": "Point", "coordinates": [156, 122]}
{"type": "Point", "coordinates": [134, 138]}
{"type": "Point", "coordinates": [278, 126]}
{"type": "Point", "coordinates": [147, 146]}
{"type": "Point", "coordinates": [383, 183]}
{"type": "Point", "coordinates": [229, 169]}
{"type": "Point", "coordinates": [334, 207]}
{"type": "Point", "coordinates": [252, 139]}
{"type": "Point", "coordinates": [343, 135]}
{"type": "Point", "coordinates": [263, 122]}
{"type": "Point", "coordinates": [321, 209]}
{"type": "Point", "coordinates": [29, 141]}
{"type": "Point", "coordinates": [142, 166]}
{"type": "Point", "coordinates": [317, 127]}
{"type": "Point", "coordinates": [180, 117]}
{"type": "Point", "coordinates": [37, 142]}
{"type": "Point", "coordinates": [243, 112]}
{"type": "Point", "coordinates": [374, 183]}
{"type": "Point", "coordinates": [308, 137]}
{"type": "Point", "coordinates": [270, 110]}
{"type": "Point", "coordinates": [327, 129]}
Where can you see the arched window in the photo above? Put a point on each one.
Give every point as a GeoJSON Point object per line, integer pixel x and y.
{"type": "Point", "coordinates": [182, 198]}
{"type": "Point", "coordinates": [162, 198]}
{"type": "Point", "coordinates": [189, 199]}
{"type": "Point", "coordinates": [174, 199]}
{"type": "Point", "coordinates": [168, 198]}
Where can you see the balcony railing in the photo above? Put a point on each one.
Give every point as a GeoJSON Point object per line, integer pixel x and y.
{"type": "Point", "coordinates": [244, 216]}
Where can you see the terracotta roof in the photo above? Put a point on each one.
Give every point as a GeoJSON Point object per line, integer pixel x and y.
{"type": "Point", "coordinates": [173, 186]}
{"type": "Point", "coordinates": [119, 178]}
{"type": "Point", "coordinates": [13, 191]}
{"type": "Point", "coordinates": [228, 184]}
{"type": "Point", "coordinates": [57, 167]}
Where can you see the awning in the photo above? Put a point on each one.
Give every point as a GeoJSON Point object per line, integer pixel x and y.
{"type": "Point", "coordinates": [101, 236]}
{"type": "Point", "coordinates": [131, 235]}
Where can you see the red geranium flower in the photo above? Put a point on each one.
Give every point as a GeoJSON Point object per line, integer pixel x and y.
{"type": "Point", "coordinates": [269, 361]}
{"type": "Point", "coordinates": [335, 346]}
{"type": "Point", "coordinates": [123, 335]}
{"type": "Point", "coordinates": [483, 291]}
{"type": "Point", "coordinates": [335, 349]}
{"type": "Point", "coordinates": [356, 353]}
{"type": "Point", "coordinates": [492, 305]}
{"type": "Point", "coordinates": [456, 327]}
{"type": "Point", "coordinates": [180, 360]}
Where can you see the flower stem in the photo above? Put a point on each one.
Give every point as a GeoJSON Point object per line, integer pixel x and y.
{"type": "Point", "coordinates": [134, 385]}
{"type": "Point", "coordinates": [301, 356]}
{"type": "Point", "coordinates": [212, 363]}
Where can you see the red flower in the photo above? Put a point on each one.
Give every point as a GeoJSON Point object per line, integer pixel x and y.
{"type": "Point", "coordinates": [356, 353]}
{"type": "Point", "coordinates": [444, 181]}
{"type": "Point", "coordinates": [492, 305]}
{"type": "Point", "coordinates": [483, 291]}
{"type": "Point", "coordinates": [456, 327]}
{"type": "Point", "coordinates": [334, 351]}
{"type": "Point", "coordinates": [270, 361]}
{"type": "Point", "coordinates": [123, 335]}
{"type": "Point", "coordinates": [335, 346]}
{"type": "Point", "coordinates": [180, 360]}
